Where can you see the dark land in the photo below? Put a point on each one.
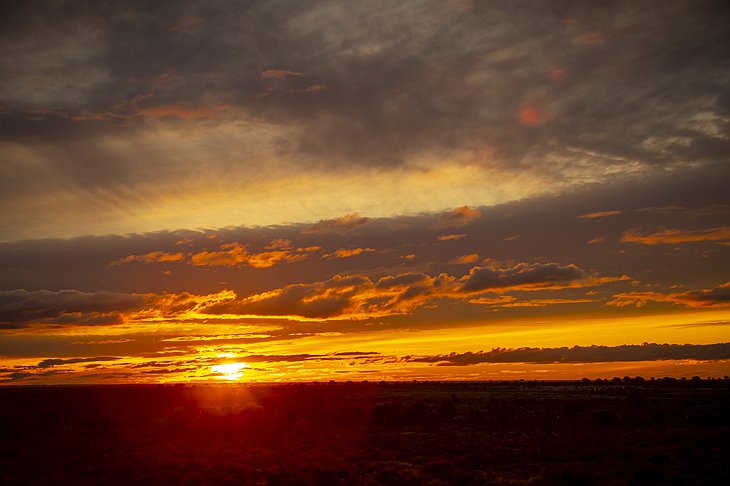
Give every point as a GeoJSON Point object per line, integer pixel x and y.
{"type": "Point", "coordinates": [625, 431]}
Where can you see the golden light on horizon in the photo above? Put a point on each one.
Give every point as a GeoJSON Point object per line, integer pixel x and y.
{"type": "Point", "coordinates": [229, 371]}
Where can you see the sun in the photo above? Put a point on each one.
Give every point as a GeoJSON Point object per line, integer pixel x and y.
{"type": "Point", "coordinates": [229, 371]}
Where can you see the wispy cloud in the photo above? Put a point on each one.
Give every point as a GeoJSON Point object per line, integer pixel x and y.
{"type": "Point", "coordinates": [675, 236]}
{"type": "Point", "coordinates": [279, 74]}
{"type": "Point", "coordinates": [348, 252]}
{"type": "Point", "coordinates": [717, 297]}
{"type": "Point", "coordinates": [599, 214]}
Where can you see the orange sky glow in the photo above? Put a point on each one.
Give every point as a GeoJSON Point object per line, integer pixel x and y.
{"type": "Point", "coordinates": [265, 194]}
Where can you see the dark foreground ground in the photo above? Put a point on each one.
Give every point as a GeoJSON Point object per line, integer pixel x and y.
{"type": "Point", "coordinates": [633, 432]}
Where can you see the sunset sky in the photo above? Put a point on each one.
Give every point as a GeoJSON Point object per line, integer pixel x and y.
{"type": "Point", "coordinates": [293, 191]}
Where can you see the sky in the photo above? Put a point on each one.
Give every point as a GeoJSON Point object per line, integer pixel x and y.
{"type": "Point", "coordinates": [253, 191]}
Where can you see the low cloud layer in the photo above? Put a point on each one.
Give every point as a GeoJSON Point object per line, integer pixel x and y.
{"type": "Point", "coordinates": [582, 354]}
{"type": "Point", "coordinates": [19, 307]}
{"type": "Point", "coordinates": [675, 236]}
{"type": "Point", "coordinates": [717, 297]}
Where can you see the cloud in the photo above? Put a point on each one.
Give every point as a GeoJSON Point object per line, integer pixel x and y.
{"type": "Point", "coordinates": [20, 307]}
{"type": "Point", "coordinates": [312, 88]}
{"type": "Point", "coordinates": [582, 354]}
{"type": "Point", "coordinates": [597, 239]}
{"type": "Point", "coordinates": [464, 259]}
{"type": "Point", "coordinates": [717, 297]}
{"type": "Point", "coordinates": [675, 236]}
{"type": "Point", "coordinates": [458, 217]}
{"type": "Point", "coordinates": [341, 297]}
{"type": "Point", "coordinates": [236, 254]}
{"type": "Point", "coordinates": [183, 112]}
{"type": "Point", "coordinates": [348, 252]}
{"type": "Point", "coordinates": [48, 363]}
{"type": "Point", "coordinates": [599, 214]}
{"type": "Point", "coordinates": [189, 24]}
{"type": "Point", "coordinates": [451, 237]}
{"type": "Point", "coordinates": [361, 297]}
{"type": "Point", "coordinates": [400, 100]}
{"type": "Point", "coordinates": [340, 225]}
{"type": "Point", "coordinates": [152, 257]}
{"type": "Point", "coordinates": [279, 74]}
{"type": "Point", "coordinates": [105, 341]}
{"type": "Point", "coordinates": [505, 301]}
{"type": "Point", "coordinates": [524, 276]}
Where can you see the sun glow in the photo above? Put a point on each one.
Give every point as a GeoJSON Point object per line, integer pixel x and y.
{"type": "Point", "coordinates": [230, 371]}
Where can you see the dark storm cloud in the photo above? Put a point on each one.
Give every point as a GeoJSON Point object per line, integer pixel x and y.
{"type": "Point", "coordinates": [582, 354]}
{"type": "Point", "coordinates": [622, 87]}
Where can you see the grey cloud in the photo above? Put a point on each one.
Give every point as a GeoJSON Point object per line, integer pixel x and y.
{"type": "Point", "coordinates": [523, 276]}
{"type": "Point", "coordinates": [48, 363]}
{"type": "Point", "coordinates": [548, 228]}
{"type": "Point", "coordinates": [61, 67]}
{"type": "Point", "coordinates": [403, 80]}
{"type": "Point", "coordinates": [582, 354]}
{"type": "Point", "coordinates": [21, 307]}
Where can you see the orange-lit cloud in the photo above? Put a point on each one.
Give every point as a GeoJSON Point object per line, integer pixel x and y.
{"type": "Point", "coordinates": [597, 239]}
{"type": "Point", "coordinates": [674, 236]}
{"type": "Point", "coordinates": [451, 237]}
{"type": "Point", "coordinates": [348, 252]}
{"type": "Point", "coordinates": [599, 214]}
{"type": "Point", "coordinates": [152, 257]}
{"type": "Point", "coordinates": [511, 301]}
{"type": "Point", "coordinates": [279, 74]}
{"type": "Point", "coordinates": [471, 258]}
{"type": "Point", "coordinates": [339, 225]}
{"type": "Point", "coordinates": [341, 297]}
{"type": "Point", "coordinates": [717, 297]}
{"type": "Point", "coordinates": [236, 254]}
{"type": "Point", "coordinates": [229, 255]}
{"type": "Point", "coordinates": [359, 297]}
{"type": "Point", "coordinates": [461, 216]}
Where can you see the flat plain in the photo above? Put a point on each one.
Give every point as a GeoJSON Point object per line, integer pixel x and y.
{"type": "Point", "coordinates": [625, 431]}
